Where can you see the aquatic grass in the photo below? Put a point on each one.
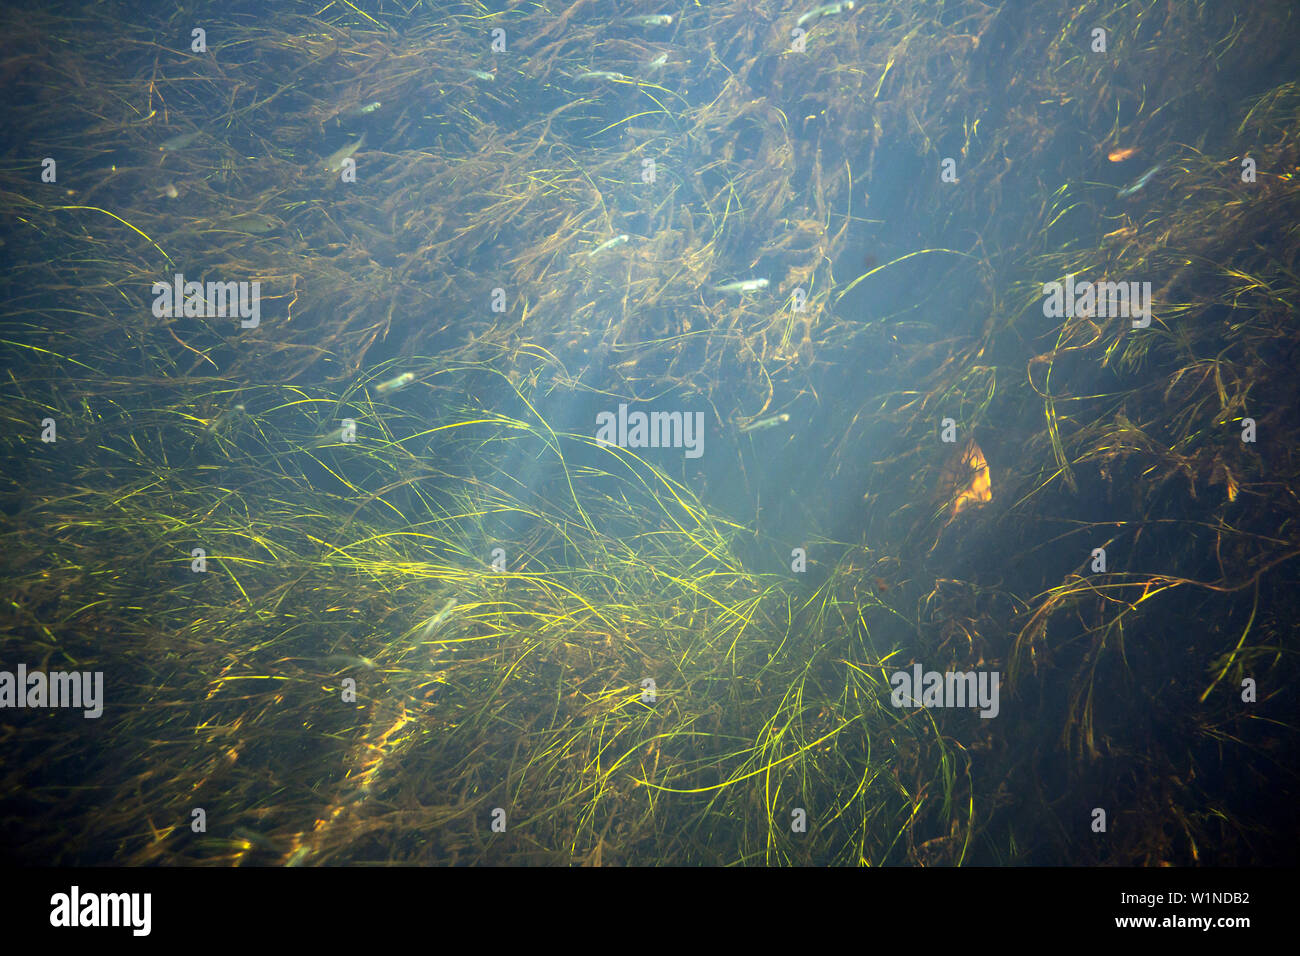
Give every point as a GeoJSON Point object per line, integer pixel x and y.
{"type": "Point", "coordinates": [327, 559]}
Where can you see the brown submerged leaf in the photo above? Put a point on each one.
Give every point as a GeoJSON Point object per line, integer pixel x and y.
{"type": "Point", "coordinates": [966, 479]}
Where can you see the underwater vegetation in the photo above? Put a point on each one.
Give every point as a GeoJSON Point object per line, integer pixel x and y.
{"type": "Point", "coordinates": [365, 588]}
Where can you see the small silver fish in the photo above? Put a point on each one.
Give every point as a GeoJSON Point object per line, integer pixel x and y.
{"type": "Point", "coordinates": [433, 622]}
{"type": "Point", "coordinates": [250, 838]}
{"type": "Point", "coordinates": [608, 244]}
{"type": "Point", "coordinates": [1140, 181]}
{"type": "Point", "coordinates": [744, 287]}
{"type": "Point", "coordinates": [482, 75]}
{"type": "Point", "coordinates": [180, 141]}
{"type": "Point", "coordinates": [335, 436]}
{"type": "Point", "coordinates": [226, 419]}
{"type": "Point", "coordinates": [253, 222]}
{"type": "Point", "coordinates": [657, 62]}
{"type": "Point", "coordinates": [603, 75]}
{"type": "Point", "coordinates": [768, 422]}
{"type": "Point", "coordinates": [339, 157]}
{"type": "Point", "coordinates": [344, 661]}
{"type": "Point", "coordinates": [357, 112]}
{"type": "Point", "coordinates": [825, 11]}
{"type": "Point", "coordinates": [650, 20]}
{"type": "Point", "coordinates": [393, 384]}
